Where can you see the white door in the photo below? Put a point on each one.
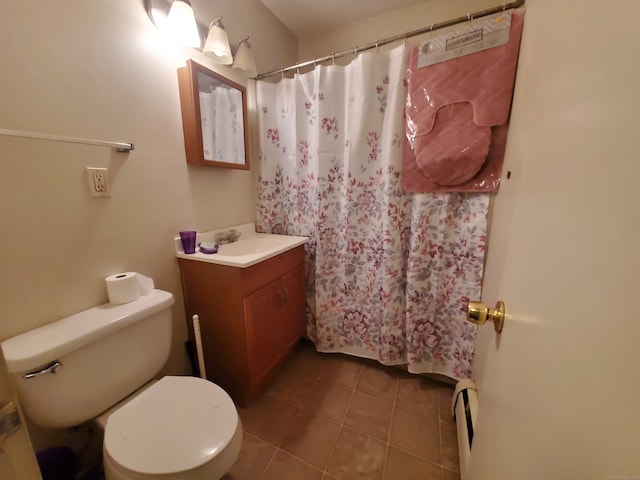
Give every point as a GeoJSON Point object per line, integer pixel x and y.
{"type": "Point", "coordinates": [17, 460]}
{"type": "Point", "coordinates": [559, 389]}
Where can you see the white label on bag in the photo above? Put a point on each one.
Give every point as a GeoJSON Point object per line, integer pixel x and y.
{"type": "Point", "coordinates": [478, 35]}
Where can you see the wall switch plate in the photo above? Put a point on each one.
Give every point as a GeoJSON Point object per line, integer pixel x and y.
{"type": "Point", "coordinates": [97, 180]}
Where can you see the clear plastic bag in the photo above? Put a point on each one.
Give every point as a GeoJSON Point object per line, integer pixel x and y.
{"type": "Point", "coordinates": [457, 110]}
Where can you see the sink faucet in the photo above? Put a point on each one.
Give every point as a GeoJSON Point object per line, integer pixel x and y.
{"type": "Point", "coordinates": [228, 236]}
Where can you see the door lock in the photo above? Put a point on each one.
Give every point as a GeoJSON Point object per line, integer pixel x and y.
{"type": "Point", "coordinates": [479, 313]}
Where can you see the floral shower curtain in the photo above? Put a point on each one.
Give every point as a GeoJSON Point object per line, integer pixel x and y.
{"type": "Point", "coordinates": [222, 134]}
{"type": "Point", "coordinates": [389, 273]}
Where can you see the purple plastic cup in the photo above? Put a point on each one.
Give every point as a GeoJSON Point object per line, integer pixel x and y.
{"type": "Point", "coordinates": [188, 239]}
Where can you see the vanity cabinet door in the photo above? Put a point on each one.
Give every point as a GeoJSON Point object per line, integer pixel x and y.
{"type": "Point", "coordinates": [274, 322]}
{"type": "Point", "coordinates": [292, 308]}
{"type": "Point", "coordinates": [264, 349]}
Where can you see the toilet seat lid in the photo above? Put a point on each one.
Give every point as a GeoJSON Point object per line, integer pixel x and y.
{"type": "Point", "coordinates": [179, 423]}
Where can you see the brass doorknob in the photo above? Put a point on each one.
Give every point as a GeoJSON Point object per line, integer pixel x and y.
{"type": "Point", "coordinates": [479, 313]}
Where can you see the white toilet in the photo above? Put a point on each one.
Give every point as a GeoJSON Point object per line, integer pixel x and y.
{"type": "Point", "coordinates": [100, 364]}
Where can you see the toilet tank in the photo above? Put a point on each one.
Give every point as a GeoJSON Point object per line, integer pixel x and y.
{"type": "Point", "coordinates": [105, 353]}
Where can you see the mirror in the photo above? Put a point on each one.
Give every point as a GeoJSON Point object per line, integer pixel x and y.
{"type": "Point", "coordinates": [214, 118]}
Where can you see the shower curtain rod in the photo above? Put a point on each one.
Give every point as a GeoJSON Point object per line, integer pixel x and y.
{"type": "Point", "coordinates": [385, 41]}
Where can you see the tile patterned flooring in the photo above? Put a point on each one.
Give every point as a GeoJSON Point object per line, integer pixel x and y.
{"type": "Point", "coordinates": [337, 417]}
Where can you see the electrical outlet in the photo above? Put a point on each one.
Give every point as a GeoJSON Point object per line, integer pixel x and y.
{"type": "Point", "coordinates": [97, 180]}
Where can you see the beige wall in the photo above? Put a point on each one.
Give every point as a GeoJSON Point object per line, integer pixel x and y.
{"type": "Point", "coordinates": [387, 25]}
{"type": "Point", "coordinates": [101, 70]}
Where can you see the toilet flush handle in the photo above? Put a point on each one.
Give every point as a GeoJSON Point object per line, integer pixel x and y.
{"type": "Point", "coordinates": [53, 367]}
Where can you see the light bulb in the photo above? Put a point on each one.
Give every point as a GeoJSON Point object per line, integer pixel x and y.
{"type": "Point", "coordinates": [181, 24]}
{"type": "Point", "coordinates": [218, 43]}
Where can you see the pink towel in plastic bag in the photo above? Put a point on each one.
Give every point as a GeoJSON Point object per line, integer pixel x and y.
{"type": "Point", "coordinates": [457, 116]}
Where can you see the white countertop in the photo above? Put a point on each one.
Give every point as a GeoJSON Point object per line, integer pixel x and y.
{"type": "Point", "coordinates": [249, 249]}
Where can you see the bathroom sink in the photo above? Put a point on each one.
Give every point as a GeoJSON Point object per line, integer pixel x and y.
{"type": "Point", "coordinates": [249, 249]}
{"type": "Point", "coordinates": [251, 246]}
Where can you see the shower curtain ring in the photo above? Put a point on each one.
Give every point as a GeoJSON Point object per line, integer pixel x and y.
{"type": "Point", "coordinates": [333, 57]}
{"type": "Point", "coordinates": [282, 73]}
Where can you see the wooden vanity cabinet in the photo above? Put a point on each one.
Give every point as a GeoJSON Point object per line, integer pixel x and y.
{"type": "Point", "coordinates": [250, 318]}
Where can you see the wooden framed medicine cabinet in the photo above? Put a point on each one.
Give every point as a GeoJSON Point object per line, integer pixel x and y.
{"type": "Point", "coordinates": [214, 118]}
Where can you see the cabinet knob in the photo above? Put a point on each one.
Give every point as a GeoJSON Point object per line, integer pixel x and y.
{"type": "Point", "coordinates": [283, 295]}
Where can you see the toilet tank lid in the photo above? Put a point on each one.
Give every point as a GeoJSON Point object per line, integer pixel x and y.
{"type": "Point", "coordinates": [45, 344]}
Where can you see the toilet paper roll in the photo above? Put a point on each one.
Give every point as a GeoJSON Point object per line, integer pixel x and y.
{"type": "Point", "coordinates": [123, 287]}
{"type": "Point", "coordinates": [127, 287]}
{"type": "Point", "coordinates": [145, 283]}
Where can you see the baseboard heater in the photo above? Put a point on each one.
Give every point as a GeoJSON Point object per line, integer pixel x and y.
{"type": "Point", "coordinates": [464, 408]}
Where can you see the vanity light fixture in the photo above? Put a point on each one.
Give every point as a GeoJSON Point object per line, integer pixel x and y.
{"type": "Point", "coordinates": [178, 20]}
{"type": "Point", "coordinates": [244, 58]}
{"type": "Point", "coordinates": [218, 42]}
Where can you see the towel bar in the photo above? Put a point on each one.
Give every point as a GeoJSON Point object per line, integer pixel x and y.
{"type": "Point", "coordinates": [118, 146]}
